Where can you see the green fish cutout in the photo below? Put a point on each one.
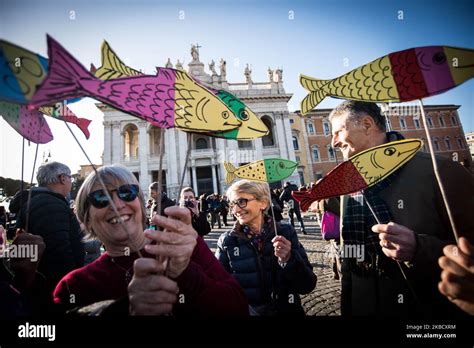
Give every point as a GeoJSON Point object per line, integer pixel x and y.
{"type": "Point", "coordinates": [268, 170]}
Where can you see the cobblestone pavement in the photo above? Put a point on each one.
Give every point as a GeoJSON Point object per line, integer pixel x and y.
{"type": "Point", "coordinates": [324, 300]}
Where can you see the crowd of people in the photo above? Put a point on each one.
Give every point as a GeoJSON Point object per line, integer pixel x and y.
{"type": "Point", "coordinates": [116, 253]}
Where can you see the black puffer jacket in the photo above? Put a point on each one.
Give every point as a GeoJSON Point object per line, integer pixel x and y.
{"type": "Point", "coordinates": [260, 275]}
{"type": "Point", "coordinates": [51, 217]}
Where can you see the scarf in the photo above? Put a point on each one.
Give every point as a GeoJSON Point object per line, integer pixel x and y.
{"type": "Point", "coordinates": [257, 239]}
{"type": "Point", "coordinates": [358, 221]}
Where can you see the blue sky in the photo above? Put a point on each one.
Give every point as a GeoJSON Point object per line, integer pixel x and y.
{"type": "Point", "coordinates": [311, 37]}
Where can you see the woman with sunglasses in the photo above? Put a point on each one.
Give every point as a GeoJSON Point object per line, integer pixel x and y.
{"type": "Point", "coordinates": [272, 269]}
{"type": "Point", "coordinates": [130, 269]}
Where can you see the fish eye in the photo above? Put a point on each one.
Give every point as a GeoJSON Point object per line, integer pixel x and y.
{"type": "Point", "coordinates": [389, 151]}
{"type": "Point", "coordinates": [439, 58]}
{"type": "Point", "coordinates": [281, 165]}
{"type": "Point", "coordinates": [244, 116]}
{"type": "Point", "coordinates": [225, 114]}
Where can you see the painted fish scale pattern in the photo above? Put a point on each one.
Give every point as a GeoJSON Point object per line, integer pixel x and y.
{"type": "Point", "coordinates": [147, 93]}
{"type": "Point", "coordinates": [372, 81]}
{"type": "Point", "coordinates": [408, 76]}
{"type": "Point", "coordinates": [344, 179]}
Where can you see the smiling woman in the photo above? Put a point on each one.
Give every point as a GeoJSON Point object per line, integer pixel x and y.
{"type": "Point", "coordinates": [271, 265]}
{"type": "Point", "coordinates": [112, 209]}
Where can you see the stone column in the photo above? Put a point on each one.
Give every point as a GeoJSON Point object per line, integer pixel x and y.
{"type": "Point", "coordinates": [288, 137]}
{"type": "Point", "coordinates": [221, 155]}
{"type": "Point", "coordinates": [174, 173]}
{"type": "Point", "coordinates": [193, 168]}
{"type": "Point", "coordinates": [143, 149]}
{"type": "Point", "coordinates": [280, 135]}
{"type": "Point", "coordinates": [214, 178]}
{"type": "Point", "coordinates": [107, 142]}
{"type": "Point", "coordinates": [117, 143]}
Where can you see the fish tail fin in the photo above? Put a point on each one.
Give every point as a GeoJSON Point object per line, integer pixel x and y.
{"type": "Point", "coordinates": [64, 80]}
{"type": "Point", "coordinates": [304, 198]}
{"type": "Point", "coordinates": [311, 101]}
{"type": "Point", "coordinates": [230, 169]}
{"type": "Point", "coordinates": [112, 66]}
{"type": "Point", "coordinates": [83, 124]}
{"type": "Point", "coordinates": [311, 84]}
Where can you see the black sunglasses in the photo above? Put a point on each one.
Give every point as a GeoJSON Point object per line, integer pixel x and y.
{"type": "Point", "coordinates": [126, 193]}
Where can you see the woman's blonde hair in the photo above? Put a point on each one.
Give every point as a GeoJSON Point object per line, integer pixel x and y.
{"type": "Point", "coordinates": [260, 190]}
{"type": "Point", "coordinates": [113, 175]}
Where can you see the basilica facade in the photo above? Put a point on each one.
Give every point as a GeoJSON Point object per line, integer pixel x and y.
{"type": "Point", "coordinates": [135, 143]}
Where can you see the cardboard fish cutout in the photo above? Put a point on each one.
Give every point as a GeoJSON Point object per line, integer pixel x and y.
{"type": "Point", "coordinates": [21, 71]}
{"type": "Point", "coordinates": [169, 99]}
{"type": "Point", "coordinates": [398, 77]}
{"type": "Point", "coordinates": [64, 113]}
{"type": "Point", "coordinates": [267, 170]}
{"type": "Point", "coordinates": [252, 127]}
{"type": "Point", "coordinates": [361, 171]}
{"type": "Point", "coordinates": [30, 124]}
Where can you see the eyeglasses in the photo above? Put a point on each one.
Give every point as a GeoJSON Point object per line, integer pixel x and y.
{"type": "Point", "coordinates": [126, 193]}
{"type": "Point", "coordinates": [241, 202]}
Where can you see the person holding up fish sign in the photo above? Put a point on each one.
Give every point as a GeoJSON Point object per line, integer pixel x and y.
{"type": "Point", "coordinates": [271, 266]}
{"type": "Point", "coordinates": [414, 226]}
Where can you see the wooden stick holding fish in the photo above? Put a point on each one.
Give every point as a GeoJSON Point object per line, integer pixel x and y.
{"type": "Point", "coordinates": [436, 172]}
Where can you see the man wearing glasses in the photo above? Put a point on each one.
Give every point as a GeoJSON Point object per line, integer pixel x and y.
{"type": "Point", "coordinates": [47, 213]}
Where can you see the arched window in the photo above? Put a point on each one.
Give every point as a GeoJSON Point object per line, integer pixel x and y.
{"type": "Point", "coordinates": [403, 124]}
{"type": "Point", "coordinates": [130, 136]}
{"type": "Point", "coordinates": [155, 141]}
{"type": "Point", "coordinates": [202, 143]}
{"type": "Point", "coordinates": [295, 143]}
{"type": "Point", "coordinates": [268, 140]}
{"type": "Point", "coordinates": [326, 128]}
{"type": "Point", "coordinates": [430, 122]}
{"type": "Point", "coordinates": [310, 128]}
{"type": "Point", "coordinates": [441, 121]}
{"type": "Point", "coordinates": [331, 154]}
{"type": "Point", "coordinates": [460, 143]}
{"type": "Point", "coordinates": [436, 144]}
{"type": "Point", "coordinates": [425, 147]}
{"type": "Point", "coordinates": [447, 141]}
{"type": "Point", "coordinates": [417, 123]}
{"type": "Point", "coordinates": [315, 151]}
{"type": "Point", "coordinates": [454, 122]}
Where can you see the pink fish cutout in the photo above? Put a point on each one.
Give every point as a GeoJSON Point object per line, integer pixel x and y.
{"type": "Point", "coordinates": [170, 99]}
{"type": "Point", "coordinates": [30, 124]}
